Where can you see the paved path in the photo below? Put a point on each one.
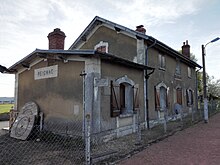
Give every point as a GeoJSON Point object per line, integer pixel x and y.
{"type": "Point", "coordinates": [197, 145]}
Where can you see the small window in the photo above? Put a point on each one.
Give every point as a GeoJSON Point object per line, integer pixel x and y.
{"type": "Point", "coordinates": [178, 68]}
{"type": "Point", "coordinates": [189, 72]}
{"type": "Point", "coordinates": [189, 97]}
{"type": "Point", "coordinates": [162, 61]}
{"type": "Point", "coordinates": [102, 47]}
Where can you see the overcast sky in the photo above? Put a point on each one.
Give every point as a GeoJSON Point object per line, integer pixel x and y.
{"type": "Point", "coordinates": [25, 24]}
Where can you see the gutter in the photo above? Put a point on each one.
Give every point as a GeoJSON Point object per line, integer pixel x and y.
{"type": "Point", "coordinates": [147, 75]}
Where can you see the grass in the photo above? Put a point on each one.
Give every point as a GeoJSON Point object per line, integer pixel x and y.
{"type": "Point", "coordinates": [5, 107]}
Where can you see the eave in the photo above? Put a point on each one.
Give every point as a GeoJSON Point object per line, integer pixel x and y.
{"type": "Point", "coordinates": [39, 53]}
{"type": "Point", "coordinates": [97, 21]}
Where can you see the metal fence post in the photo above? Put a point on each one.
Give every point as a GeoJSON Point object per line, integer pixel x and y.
{"type": "Point", "coordinates": [193, 117]}
{"type": "Point", "coordinates": [165, 121]}
{"type": "Point", "coordinates": [138, 128]}
{"type": "Point", "coordinates": [87, 139]}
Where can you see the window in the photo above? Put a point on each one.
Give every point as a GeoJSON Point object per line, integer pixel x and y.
{"type": "Point", "coordinates": [162, 62]}
{"type": "Point", "coordinates": [161, 97]}
{"type": "Point", "coordinates": [124, 97]}
{"type": "Point", "coordinates": [102, 47]}
{"type": "Point", "coordinates": [189, 97]}
{"type": "Point", "coordinates": [178, 69]}
{"type": "Point", "coordinates": [189, 72]}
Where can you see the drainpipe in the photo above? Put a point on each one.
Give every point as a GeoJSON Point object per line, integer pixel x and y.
{"type": "Point", "coordinates": [147, 75]}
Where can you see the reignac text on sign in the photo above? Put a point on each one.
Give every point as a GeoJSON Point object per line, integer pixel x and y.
{"type": "Point", "coordinates": [46, 72]}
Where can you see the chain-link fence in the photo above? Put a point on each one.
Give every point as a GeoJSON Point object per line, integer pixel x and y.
{"type": "Point", "coordinates": [33, 140]}
{"type": "Point", "coordinates": [60, 143]}
{"type": "Point", "coordinates": [116, 148]}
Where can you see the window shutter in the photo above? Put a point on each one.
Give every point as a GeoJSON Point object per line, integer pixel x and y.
{"type": "Point", "coordinates": [179, 96]}
{"type": "Point", "coordinates": [136, 99]}
{"type": "Point", "coordinates": [157, 99]}
{"type": "Point", "coordinates": [191, 97]}
{"type": "Point", "coordinates": [115, 100]}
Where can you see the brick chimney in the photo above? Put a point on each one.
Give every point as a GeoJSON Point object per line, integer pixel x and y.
{"type": "Point", "coordinates": [186, 49]}
{"type": "Point", "coordinates": [141, 29]}
{"type": "Point", "coordinates": [56, 39]}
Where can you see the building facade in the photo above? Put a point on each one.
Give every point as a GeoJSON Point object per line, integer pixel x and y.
{"type": "Point", "coordinates": [172, 86]}
{"type": "Point", "coordinates": [110, 74]}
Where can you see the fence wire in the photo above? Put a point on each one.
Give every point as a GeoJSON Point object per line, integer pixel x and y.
{"type": "Point", "coordinates": [118, 148]}
{"type": "Point", "coordinates": [60, 144]}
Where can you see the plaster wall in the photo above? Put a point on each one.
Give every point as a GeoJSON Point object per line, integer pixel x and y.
{"type": "Point", "coordinates": [113, 72]}
{"type": "Point", "coordinates": [170, 79]}
{"type": "Point", "coordinates": [119, 44]}
{"type": "Point", "coordinates": [59, 98]}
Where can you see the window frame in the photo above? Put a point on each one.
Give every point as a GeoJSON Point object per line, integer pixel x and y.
{"type": "Point", "coordinates": [189, 97]}
{"type": "Point", "coordinates": [124, 97]}
{"type": "Point", "coordinates": [178, 67]}
{"type": "Point", "coordinates": [157, 96]}
{"type": "Point", "coordinates": [189, 72]}
{"type": "Point", "coordinates": [162, 61]}
{"type": "Point", "coordinates": [101, 47]}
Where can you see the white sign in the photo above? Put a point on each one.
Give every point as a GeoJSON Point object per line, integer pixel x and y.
{"type": "Point", "coordinates": [46, 72]}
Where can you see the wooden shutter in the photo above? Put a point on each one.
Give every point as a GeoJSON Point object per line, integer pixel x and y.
{"type": "Point", "coordinates": [179, 96]}
{"type": "Point", "coordinates": [115, 100]}
{"type": "Point", "coordinates": [136, 99]}
{"type": "Point", "coordinates": [157, 99]}
{"type": "Point", "coordinates": [122, 96]}
{"type": "Point", "coordinates": [191, 97]}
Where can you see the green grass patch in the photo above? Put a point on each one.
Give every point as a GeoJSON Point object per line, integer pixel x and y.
{"type": "Point", "coordinates": [5, 107]}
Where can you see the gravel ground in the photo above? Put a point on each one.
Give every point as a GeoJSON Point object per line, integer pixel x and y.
{"type": "Point", "coordinates": [197, 145]}
{"type": "Point", "coordinates": [50, 149]}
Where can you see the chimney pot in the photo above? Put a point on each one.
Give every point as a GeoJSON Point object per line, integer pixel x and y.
{"type": "Point", "coordinates": [56, 39]}
{"type": "Point", "coordinates": [141, 29]}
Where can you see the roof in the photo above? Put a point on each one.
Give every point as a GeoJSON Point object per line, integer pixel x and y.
{"type": "Point", "coordinates": [39, 53]}
{"type": "Point", "coordinates": [99, 21]}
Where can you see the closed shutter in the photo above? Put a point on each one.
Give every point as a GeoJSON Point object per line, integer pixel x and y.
{"type": "Point", "coordinates": [115, 100]}
{"type": "Point", "coordinates": [136, 98]}
{"type": "Point", "coordinates": [179, 96]}
{"type": "Point", "coordinates": [191, 92]}
{"type": "Point", "coordinates": [157, 99]}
